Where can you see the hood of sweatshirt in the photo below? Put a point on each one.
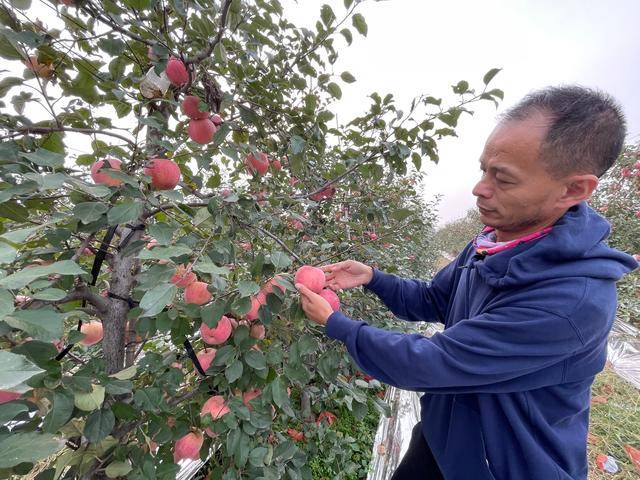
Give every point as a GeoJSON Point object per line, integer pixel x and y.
{"type": "Point", "coordinates": [576, 246]}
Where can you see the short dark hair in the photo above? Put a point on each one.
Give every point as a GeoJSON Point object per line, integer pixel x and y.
{"type": "Point", "coordinates": [587, 130]}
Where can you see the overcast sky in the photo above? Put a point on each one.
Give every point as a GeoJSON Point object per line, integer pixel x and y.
{"type": "Point", "coordinates": [417, 46]}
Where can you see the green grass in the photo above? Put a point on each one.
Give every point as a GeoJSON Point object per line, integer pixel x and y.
{"type": "Point", "coordinates": [615, 423]}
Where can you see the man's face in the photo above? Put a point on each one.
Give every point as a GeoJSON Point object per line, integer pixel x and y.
{"type": "Point", "coordinates": [515, 194]}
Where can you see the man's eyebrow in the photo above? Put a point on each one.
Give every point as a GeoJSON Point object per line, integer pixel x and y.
{"type": "Point", "coordinates": [501, 169]}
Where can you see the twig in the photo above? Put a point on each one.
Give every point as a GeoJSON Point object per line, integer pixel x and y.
{"type": "Point", "coordinates": [86, 131]}
{"type": "Point", "coordinates": [223, 20]}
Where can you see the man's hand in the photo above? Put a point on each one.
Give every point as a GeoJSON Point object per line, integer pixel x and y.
{"type": "Point", "coordinates": [315, 307]}
{"type": "Point", "coordinates": [347, 274]}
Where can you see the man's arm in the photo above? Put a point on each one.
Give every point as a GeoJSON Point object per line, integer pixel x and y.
{"type": "Point", "coordinates": [415, 300]}
{"type": "Point", "coordinates": [497, 351]}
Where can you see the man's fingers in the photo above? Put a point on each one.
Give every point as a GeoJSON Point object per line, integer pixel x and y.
{"type": "Point", "coordinates": [333, 267]}
{"type": "Point", "coordinates": [304, 291]}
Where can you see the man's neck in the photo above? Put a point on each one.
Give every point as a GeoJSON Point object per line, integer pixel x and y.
{"type": "Point", "coordinates": [502, 236]}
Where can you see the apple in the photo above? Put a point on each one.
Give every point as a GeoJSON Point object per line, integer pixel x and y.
{"type": "Point", "coordinates": [201, 131]}
{"type": "Point", "coordinates": [297, 224]}
{"type": "Point", "coordinates": [93, 333]}
{"type": "Point", "coordinates": [182, 278]}
{"type": "Point", "coordinates": [218, 334]}
{"type": "Point", "coordinates": [259, 164]}
{"type": "Point", "coordinates": [326, 192]}
{"type": "Point", "coordinates": [206, 357]}
{"type": "Point", "coordinates": [8, 396]}
{"type": "Point", "coordinates": [217, 408]}
{"type": "Point", "coordinates": [191, 108]}
{"type": "Point", "coordinates": [276, 164]}
{"type": "Point", "coordinates": [256, 302]}
{"type": "Point", "coordinates": [197, 293]}
{"type": "Point", "coordinates": [164, 173]}
{"type": "Point", "coordinates": [311, 277]}
{"type": "Point", "coordinates": [268, 287]}
{"type": "Point", "coordinates": [331, 297]}
{"type": "Point", "coordinates": [176, 72]}
{"type": "Point", "coordinates": [43, 70]}
{"type": "Point", "coordinates": [188, 447]}
{"type": "Point", "coordinates": [257, 331]}
{"type": "Point", "coordinates": [216, 119]}
{"type": "Point", "coordinates": [250, 395]}
{"type": "Point", "coordinates": [103, 177]}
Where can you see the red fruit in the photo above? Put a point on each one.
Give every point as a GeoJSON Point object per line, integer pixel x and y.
{"type": "Point", "coordinates": [293, 181]}
{"type": "Point", "coordinates": [387, 245]}
{"type": "Point", "coordinates": [276, 164]}
{"type": "Point", "coordinates": [215, 406]}
{"type": "Point", "coordinates": [225, 192]}
{"type": "Point", "coordinates": [7, 396]}
{"type": "Point", "coordinates": [327, 192]}
{"type": "Point", "coordinates": [44, 70]}
{"type": "Point", "coordinates": [259, 164]}
{"type": "Point", "coordinates": [373, 236]}
{"type": "Point", "coordinates": [103, 177]}
{"type": "Point", "coordinates": [181, 278]}
{"type": "Point", "coordinates": [206, 357]}
{"type": "Point", "coordinates": [295, 435]}
{"type": "Point", "coordinates": [311, 277]}
{"type": "Point", "coordinates": [191, 108]}
{"type": "Point", "coordinates": [256, 302]}
{"type": "Point", "coordinates": [87, 251]}
{"type": "Point", "coordinates": [328, 416]}
{"type": "Point", "coordinates": [331, 297]}
{"type": "Point", "coordinates": [197, 293]}
{"type": "Point", "coordinates": [93, 333]}
{"type": "Point", "coordinates": [152, 243]}
{"type": "Point", "coordinates": [164, 173]}
{"type": "Point", "coordinates": [201, 131]}
{"type": "Point", "coordinates": [176, 72]}
{"type": "Point", "coordinates": [637, 165]}
{"type": "Point", "coordinates": [246, 246]}
{"type": "Point", "coordinates": [268, 287]}
{"type": "Point", "coordinates": [216, 119]}
{"type": "Point", "coordinates": [625, 172]}
{"type": "Point", "coordinates": [257, 331]}
{"type": "Point", "coordinates": [250, 395]}
{"type": "Point", "coordinates": [638, 214]}
{"type": "Point", "coordinates": [188, 447]}
{"type": "Point", "coordinates": [217, 335]}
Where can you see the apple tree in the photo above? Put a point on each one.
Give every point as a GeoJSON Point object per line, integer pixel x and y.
{"type": "Point", "coordinates": [165, 168]}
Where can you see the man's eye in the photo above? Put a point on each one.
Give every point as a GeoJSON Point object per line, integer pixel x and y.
{"type": "Point", "coordinates": [502, 181]}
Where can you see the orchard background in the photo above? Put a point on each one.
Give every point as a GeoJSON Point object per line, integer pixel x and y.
{"type": "Point", "coordinates": [133, 222]}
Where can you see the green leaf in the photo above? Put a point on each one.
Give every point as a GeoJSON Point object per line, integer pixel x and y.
{"type": "Point", "coordinates": [327, 15]}
{"type": "Point", "coordinates": [234, 371]}
{"type": "Point", "coordinates": [335, 90]}
{"type": "Point", "coordinates": [461, 87]}
{"type": "Point", "coordinates": [60, 412]}
{"type": "Point", "coordinates": [348, 3]}
{"type": "Point", "coordinates": [43, 324]}
{"type": "Point", "coordinates": [347, 77]}
{"type": "Point", "coordinates": [205, 265]}
{"type": "Point", "coordinates": [490, 74]}
{"type": "Point", "coordinates": [9, 411]}
{"type": "Point", "coordinates": [118, 469]}
{"type": "Point", "coordinates": [21, 235]}
{"type": "Point", "coordinates": [164, 253]}
{"type": "Point", "coordinates": [346, 33]}
{"type": "Point", "coordinates": [99, 424]}
{"type": "Point", "coordinates": [45, 158]}
{"type": "Point", "coordinates": [89, 212]}
{"type": "Point", "coordinates": [162, 232]}
{"type": "Point", "coordinates": [360, 24]}
{"type": "Point", "coordinates": [247, 289]}
{"type": "Point", "coordinates": [255, 360]}
{"type": "Point", "coordinates": [92, 400]}
{"type": "Point", "coordinates": [125, 213]}
{"type": "Point", "coordinates": [29, 447]}
{"type": "Point", "coordinates": [21, 4]}
{"type": "Point", "coordinates": [8, 83]}
{"type": "Point", "coordinates": [126, 374]}
{"type": "Point", "coordinates": [27, 275]}
{"type": "Point", "coordinates": [154, 300]}
{"type": "Point", "coordinates": [6, 303]}
{"type": "Point", "coordinates": [50, 294]}
{"type": "Point", "coordinates": [298, 144]}
{"type": "Point", "coordinates": [113, 46]}
{"type": "Point", "coordinates": [401, 214]}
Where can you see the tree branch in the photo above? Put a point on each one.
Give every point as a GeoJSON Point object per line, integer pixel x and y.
{"type": "Point", "coordinates": [276, 239]}
{"type": "Point", "coordinates": [86, 131]}
{"type": "Point", "coordinates": [223, 21]}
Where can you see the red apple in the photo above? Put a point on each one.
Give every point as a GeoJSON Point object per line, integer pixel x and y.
{"type": "Point", "coordinates": [103, 177]}
{"type": "Point", "coordinates": [311, 277]}
{"type": "Point", "coordinates": [276, 164]}
{"type": "Point", "coordinates": [256, 302]}
{"type": "Point", "coordinates": [43, 70]}
{"type": "Point", "coordinates": [181, 278]}
{"type": "Point", "coordinates": [8, 396]}
{"type": "Point", "coordinates": [197, 293]}
{"type": "Point", "coordinates": [164, 173]}
{"type": "Point", "coordinates": [216, 119]}
{"type": "Point", "coordinates": [206, 357]}
{"type": "Point", "coordinates": [257, 331]}
{"type": "Point", "coordinates": [92, 333]}
{"type": "Point", "coordinates": [188, 447]}
{"type": "Point", "coordinates": [328, 416]}
{"type": "Point", "coordinates": [331, 297]}
{"type": "Point", "coordinates": [202, 131]}
{"type": "Point", "coordinates": [177, 72]}
{"type": "Point", "coordinates": [218, 334]}
{"type": "Point", "coordinates": [259, 164]}
{"type": "Point", "coordinates": [191, 108]}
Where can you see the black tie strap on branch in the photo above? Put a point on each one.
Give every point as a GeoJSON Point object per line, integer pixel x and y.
{"type": "Point", "coordinates": [131, 302]}
{"type": "Point", "coordinates": [132, 228]}
{"type": "Point", "coordinates": [193, 357]}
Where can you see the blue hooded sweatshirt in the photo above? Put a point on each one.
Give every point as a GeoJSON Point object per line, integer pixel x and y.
{"type": "Point", "coordinates": [507, 384]}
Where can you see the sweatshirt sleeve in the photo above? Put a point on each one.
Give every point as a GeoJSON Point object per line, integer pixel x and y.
{"type": "Point", "coordinates": [415, 300]}
{"type": "Point", "coordinates": [504, 350]}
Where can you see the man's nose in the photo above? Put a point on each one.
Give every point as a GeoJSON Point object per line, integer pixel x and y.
{"type": "Point", "coordinates": [482, 189]}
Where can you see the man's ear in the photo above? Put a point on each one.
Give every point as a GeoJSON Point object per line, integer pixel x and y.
{"type": "Point", "coordinates": [577, 189]}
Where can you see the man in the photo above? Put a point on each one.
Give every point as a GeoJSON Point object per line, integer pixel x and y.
{"type": "Point", "coordinates": [526, 306]}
